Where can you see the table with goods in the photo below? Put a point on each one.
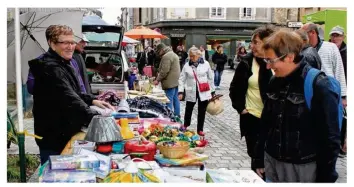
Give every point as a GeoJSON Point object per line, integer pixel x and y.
{"type": "Point", "coordinates": [140, 142]}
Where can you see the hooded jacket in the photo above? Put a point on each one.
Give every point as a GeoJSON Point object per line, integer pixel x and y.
{"type": "Point", "coordinates": [59, 108]}
{"type": "Point", "coordinates": [169, 69]}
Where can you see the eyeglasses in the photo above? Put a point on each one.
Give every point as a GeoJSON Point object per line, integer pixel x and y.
{"type": "Point", "coordinates": [270, 61]}
{"type": "Point", "coordinates": [67, 43]}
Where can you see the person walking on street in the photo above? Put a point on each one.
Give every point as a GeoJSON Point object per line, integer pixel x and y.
{"type": "Point", "coordinates": [142, 60]}
{"type": "Point", "coordinates": [331, 61]}
{"type": "Point", "coordinates": [309, 53]}
{"type": "Point", "coordinates": [241, 52]}
{"type": "Point", "coordinates": [337, 37]}
{"type": "Point", "coordinates": [205, 53]}
{"type": "Point", "coordinates": [297, 144]}
{"type": "Point", "coordinates": [219, 58]}
{"type": "Point", "coordinates": [182, 55]}
{"type": "Point", "coordinates": [151, 56]}
{"type": "Point", "coordinates": [195, 73]}
{"type": "Point", "coordinates": [169, 71]}
{"type": "Point", "coordinates": [248, 89]}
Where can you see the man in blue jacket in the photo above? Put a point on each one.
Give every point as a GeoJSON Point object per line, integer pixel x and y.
{"type": "Point", "coordinates": [296, 144]}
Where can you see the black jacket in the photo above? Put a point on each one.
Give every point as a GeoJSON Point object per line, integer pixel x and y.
{"type": "Point", "coordinates": [220, 60]}
{"type": "Point", "coordinates": [343, 54]}
{"type": "Point", "coordinates": [182, 55]}
{"type": "Point", "coordinates": [59, 108]}
{"type": "Point", "coordinates": [206, 55]}
{"type": "Point", "coordinates": [151, 58]}
{"type": "Point", "coordinates": [82, 67]}
{"type": "Point", "coordinates": [291, 133]}
{"type": "Point", "coordinates": [239, 84]}
{"type": "Point", "coordinates": [312, 57]}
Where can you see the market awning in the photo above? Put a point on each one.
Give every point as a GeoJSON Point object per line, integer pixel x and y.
{"type": "Point", "coordinates": [228, 37]}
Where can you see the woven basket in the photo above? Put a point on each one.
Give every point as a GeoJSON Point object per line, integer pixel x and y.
{"type": "Point", "coordinates": [174, 152]}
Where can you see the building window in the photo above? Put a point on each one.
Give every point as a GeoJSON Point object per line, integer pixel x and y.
{"type": "Point", "coordinates": [247, 13]}
{"type": "Point", "coordinates": [217, 12]}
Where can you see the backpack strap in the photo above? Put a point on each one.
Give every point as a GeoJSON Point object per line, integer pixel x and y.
{"type": "Point", "coordinates": [310, 77]}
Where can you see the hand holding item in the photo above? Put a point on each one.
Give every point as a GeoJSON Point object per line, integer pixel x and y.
{"type": "Point", "coordinates": [156, 82]}
{"type": "Point", "coordinates": [180, 96]}
{"type": "Point", "coordinates": [102, 104]}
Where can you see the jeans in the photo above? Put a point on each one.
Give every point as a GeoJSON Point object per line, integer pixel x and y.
{"type": "Point", "coordinates": [217, 77]}
{"type": "Point", "coordinates": [172, 95]}
{"type": "Point", "coordinates": [202, 106]}
{"type": "Point", "coordinates": [45, 153]}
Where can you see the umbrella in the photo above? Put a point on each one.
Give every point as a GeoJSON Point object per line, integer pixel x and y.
{"type": "Point", "coordinates": [32, 35]}
{"type": "Point", "coordinates": [142, 32]}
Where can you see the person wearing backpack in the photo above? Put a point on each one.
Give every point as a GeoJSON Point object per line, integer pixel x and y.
{"type": "Point", "coordinates": [299, 139]}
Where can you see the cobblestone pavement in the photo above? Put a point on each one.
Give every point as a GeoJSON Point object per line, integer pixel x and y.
{"type": "Point", "coordinates": [225, 149]}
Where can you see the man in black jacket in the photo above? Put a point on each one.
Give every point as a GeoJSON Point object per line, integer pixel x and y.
{"type": "Point", "coordinates": [296, 144]}
{"type": "Point", "coordinates": [60, 108]}
{"type": "Point", "coordinates": [310, 53]}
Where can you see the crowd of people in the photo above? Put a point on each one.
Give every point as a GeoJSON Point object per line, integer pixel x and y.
{"type": "Point", "coordinates": [289, 91]}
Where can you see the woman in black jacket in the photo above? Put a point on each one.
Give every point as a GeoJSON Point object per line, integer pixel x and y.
{"type": "Point", "coordinates": [60, 108]}
{"type": "Point", "coordinates": [248, 89]}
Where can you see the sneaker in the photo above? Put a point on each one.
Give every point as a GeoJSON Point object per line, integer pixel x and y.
{"type": "Point", "coordinates": [201, 133]}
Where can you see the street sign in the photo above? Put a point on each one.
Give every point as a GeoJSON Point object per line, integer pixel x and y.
{"type": "Point", "coordinates": [178, 35]}
{"type": "Point", "coordinates": [294, 24]}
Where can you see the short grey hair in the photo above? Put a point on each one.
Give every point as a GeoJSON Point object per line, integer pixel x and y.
{"type": "Point", "coordinates": [194, 51]}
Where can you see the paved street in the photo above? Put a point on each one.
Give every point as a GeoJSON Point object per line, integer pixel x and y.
{"type": "Point", "coordinates": [226, 149]}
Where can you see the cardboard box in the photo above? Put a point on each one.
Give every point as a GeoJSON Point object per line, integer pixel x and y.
{"type": "Point", "coordinates": [73, 162]}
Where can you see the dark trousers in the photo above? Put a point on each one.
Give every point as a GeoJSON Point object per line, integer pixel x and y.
{"type": "Point", "coordinates": [343, 132]}
{"type": "Point", "coordinates": [45, 153]}
{"type": "Point", "coordinates": [202, 106]}
{"type": "Point", "coordinates": [250, 128]}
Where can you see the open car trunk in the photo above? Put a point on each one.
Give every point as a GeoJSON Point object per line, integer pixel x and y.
{"type": "Point", "coordinates": [106, 63]}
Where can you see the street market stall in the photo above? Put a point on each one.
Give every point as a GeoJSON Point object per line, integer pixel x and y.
{"type": "Point", "coordinates": [127, 147]}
